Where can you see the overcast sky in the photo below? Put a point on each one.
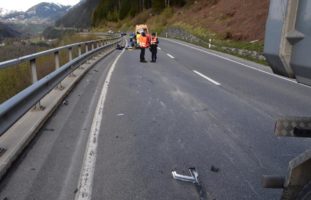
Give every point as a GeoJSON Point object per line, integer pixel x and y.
{"type": "Point", "coordinates": [25, 4]}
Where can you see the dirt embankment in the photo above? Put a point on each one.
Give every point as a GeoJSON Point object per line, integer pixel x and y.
{"type": "Point", "coordinates": [233, 19]}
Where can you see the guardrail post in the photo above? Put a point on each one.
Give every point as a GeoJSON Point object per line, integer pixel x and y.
{"type": "Point", "coordinates": [34, 75]}
{"type": "Point", "coordinates": [70, 54]}
{"type": "Point", "coordinates": [80, 53]}
{"type": "Point", "coordinates": [34, 70]}
{"type": "Point", "coordinates": [57, 65]}
{"type": "Point", "coordinates": [70, 59]}
{"type": "Point", "coordinates": [79, 50]}
{"type": "Point", "coordinates": [57, 62]}
{"type": "Point", "coordinates": [86, 47]}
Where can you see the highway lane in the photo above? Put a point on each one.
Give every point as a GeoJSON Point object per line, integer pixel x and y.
{"type": "Point", "coordinates": [203, 125]}
{"type": "Point", "coordinates": [50, 167]}
{"type": "Point", "coordinates": [164, 116]}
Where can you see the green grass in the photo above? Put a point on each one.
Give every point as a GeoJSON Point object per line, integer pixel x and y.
{"type": "Point", "coordinates": [13, 80]}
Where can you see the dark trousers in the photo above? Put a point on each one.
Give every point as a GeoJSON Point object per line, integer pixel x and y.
{"type": "Point", "coordinates": [142, 54]}
{"type": "Point", "coordinates": [154, 51]}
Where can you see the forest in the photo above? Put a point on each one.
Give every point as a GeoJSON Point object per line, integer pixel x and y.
{"type": "Point", "coordinates": [115, 10]}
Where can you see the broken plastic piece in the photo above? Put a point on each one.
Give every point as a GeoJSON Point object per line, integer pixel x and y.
{"type": "Point", "coordinates": [193, 178]}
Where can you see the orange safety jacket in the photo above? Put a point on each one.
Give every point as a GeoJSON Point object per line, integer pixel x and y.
{"type": "Point", "coordinates": [154, 40]}
{"type": "Point", "coordinates": [143, 42]}
{"type": "Point", "coordinates": [148, 37]}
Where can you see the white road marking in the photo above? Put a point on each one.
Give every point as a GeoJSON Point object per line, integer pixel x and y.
{"type": "Point", "coordinates": [169, 55]}
{"type": "Point", "coordinates": [207, 78]}
{"type": "Point", "coordinates": [231, 60]}
{"type": "Point", "coordinates": [88, 167]}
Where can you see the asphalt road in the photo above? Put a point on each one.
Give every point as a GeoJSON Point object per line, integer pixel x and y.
{"type": "Point", "coordinates": [190, 109]}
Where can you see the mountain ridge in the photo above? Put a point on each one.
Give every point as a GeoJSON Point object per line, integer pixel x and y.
{"type": "Point", "coordinates": [43, 12]}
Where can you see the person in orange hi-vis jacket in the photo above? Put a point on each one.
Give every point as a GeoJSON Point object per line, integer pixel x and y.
{"type": "Point", "coordinates": [154, 47]}
{"type": "Point", "coordinates": [143, 43]}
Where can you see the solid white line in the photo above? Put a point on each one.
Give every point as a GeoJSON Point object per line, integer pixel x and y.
{"type": "Point", "coordinates": [88, 167]}
{"type": "Point", "coordinates": [207, 78]}
{"type": "Point", "coordinates": [231, 60]}
{"type": "Point", "coordinates": [169, 55]}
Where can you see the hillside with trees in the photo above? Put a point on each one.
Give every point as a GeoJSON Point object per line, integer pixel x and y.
{"type": "Point", "coordinates": [229, 19]}
{"type": "Point", "coordinates": [80, 16]}
{"type": "Point", "coordinates": [112, 10]}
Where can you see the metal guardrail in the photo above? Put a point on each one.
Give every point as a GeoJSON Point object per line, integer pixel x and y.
{"type": "Point", "coordinates": [14, 108]}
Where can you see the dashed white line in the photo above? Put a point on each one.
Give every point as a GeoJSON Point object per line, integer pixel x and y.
{"type": "Point", "coordinates": [88, 168]}
{"type": "Point", "coordinates": [231, 60]}
{"type": "Point", "coordinates": [207, 78]}
{"type": "Point", "coordinates": [169, 55]}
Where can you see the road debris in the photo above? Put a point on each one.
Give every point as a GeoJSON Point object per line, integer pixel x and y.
{"type": "Point", "coordinates": [120, 114]}
{"type": "Point", "coordinates": [65, 102]}
{"type": "Point", "coordinates": [193, 178]}
{"type": "Point", "coordinates": [214, 169]}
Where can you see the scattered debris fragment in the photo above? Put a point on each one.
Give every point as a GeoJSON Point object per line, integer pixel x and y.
{"type": "Point", "coordinates": [65, 102]}
{"type": "Point", "coordinates": [120, 114]}
{"type": "Point", "coordinates": [214, 169]}
{"type": "Point", "coordinates": [193, 178]}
